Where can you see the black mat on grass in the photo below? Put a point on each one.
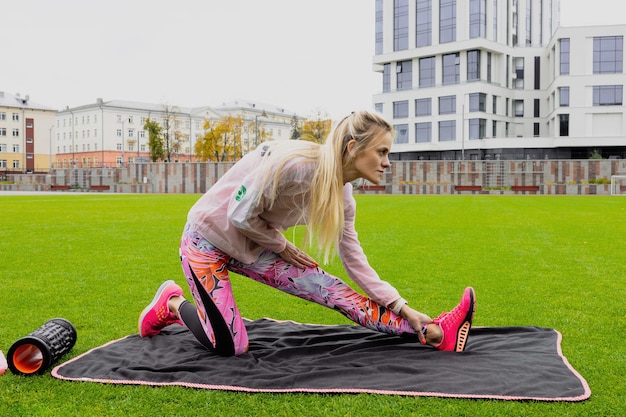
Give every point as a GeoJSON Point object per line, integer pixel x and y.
{"type": "Point", "coordinates": [506, 363]}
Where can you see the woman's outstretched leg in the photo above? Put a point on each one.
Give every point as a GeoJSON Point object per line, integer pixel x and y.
{"type": "Point", "coordinates": [447, 332]}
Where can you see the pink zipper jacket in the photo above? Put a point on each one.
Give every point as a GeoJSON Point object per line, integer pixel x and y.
{"type": "Point", "coordinates": [234, 215]}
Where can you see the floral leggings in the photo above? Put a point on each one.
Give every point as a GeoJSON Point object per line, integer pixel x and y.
{"type": "Point", "coordinates": [222, 328]}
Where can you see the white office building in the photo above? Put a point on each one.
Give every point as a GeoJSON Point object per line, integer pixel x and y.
{"type": "Point", "coordinates": [498, 79]}
{"type": "Point", "coordinates": [111, 133]}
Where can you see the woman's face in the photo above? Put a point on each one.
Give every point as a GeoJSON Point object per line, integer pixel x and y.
{"type": "Point", "coordinates": [369, 163]}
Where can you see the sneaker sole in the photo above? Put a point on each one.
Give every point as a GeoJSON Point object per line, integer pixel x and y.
{"type": "Point", "coordinates": [152, 303]}
{"type": "Point", "coordinates": [463, 331]}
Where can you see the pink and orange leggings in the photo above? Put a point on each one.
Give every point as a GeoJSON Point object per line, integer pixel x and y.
{"type": "Point", "coordinates": [215, 320]}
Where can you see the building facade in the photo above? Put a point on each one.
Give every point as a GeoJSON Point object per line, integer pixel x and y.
{"type": "Point", "coordinates": [26, 130]}
{"type": "Point", "coordinates": [111, 133]}
{"type": "Point", "coordinates": [498, 79]}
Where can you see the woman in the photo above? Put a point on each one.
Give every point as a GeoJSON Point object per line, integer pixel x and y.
{"type": "Point", "coordinates": [236, 226]}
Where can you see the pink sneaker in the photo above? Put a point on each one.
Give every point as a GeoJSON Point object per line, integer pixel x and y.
{"type": "Point", "coordinates": [157, 315]}
{"type": "Point", "coordinates": [456, 324]}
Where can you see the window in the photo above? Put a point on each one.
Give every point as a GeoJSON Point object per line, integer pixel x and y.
{"type": "Point", "coordinates": [478, 102]}
{"type": "Point", "coordinates": [518, 75]}
{"type": "Point", "coordinates": [607, 95]}
{"type": "Point", "coordinates": [119, 146]}
{"type": "Point", "coordinates": [3, 163]}
{"type": "Point", "coordinates": [529, 22]}
{"type": "Point", "coordinates": [608, 54]}
{"type": "Point", "coordinates": [378, 107]}
{"type": "Point", "coordinates": [451, 68]}
{"type": "Point", "coordinates": [473, 65]}
{"type": "Point", "coordinates": [536, 130]}
{"type": "Point", "coordinates": [447, 21]}
{"type": "Point", "coordinates": [3, 116]}
{"type": "Point", "coordinates": [16, 163]}
{"type": "Point", "coordinates": [404, 75]}
{"type": "Point", "coordinates": [400, 25]}
{"type": "Point", "coordinates": [16, 133]}
{"type": "Point", "coordinates": [494, 104]}
{"type": "Point", "coordinates": [3, 147]}
{"type": "Point", "coordinates": [423, 23]}
{"type": "Point", "coordinates": [563, 124]}
{"type": "Point", "coordinates": [495, 20]}
{"type": "Point", "coordinates": [518, 106]}
{"type": "Point", "coordinates": [16, 117]}
{"type": "Point", "coordinates": [379, 27]}
{"type": "Point", "coordinates": [447, 105]}
{"type": "Point", "coordinates": [423, 107]}
{"type": "Point", "coordinates": [400, 109]}
{"type": "Point", "coordinates": [536, 108]}
{"type": "Point", "coordinates": [447, 131]}
{"type": "Point", "coordinates": [478, 18]}
{"type": "Point", "coordinates": [119, 133]}
{"type": "Point", "coordinates": [427, 72]}
{"type": "Point", "coordinates": [494, 128]}
{"type": "Point", "coordinates": [477, 128]}
{"type": "Point", "coordinates": [564, 96]}
{"type": "Point", "coordinates": [3, 131]}
{"type": "Point", "coordinates": [423, 132]}
{"type": "Point", "coordinates": [402, 133]}
{"type": "Point", "coordinates": [386, 78]}
{"type": "Point", "coordinates": [564, 54]}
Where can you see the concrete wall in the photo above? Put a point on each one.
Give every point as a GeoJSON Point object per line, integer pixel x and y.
{"type": "Point", "coordinates": [549, 177]}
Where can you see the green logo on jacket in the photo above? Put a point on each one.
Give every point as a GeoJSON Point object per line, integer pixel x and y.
{"type": "Point", "coordinates": [241, 193]}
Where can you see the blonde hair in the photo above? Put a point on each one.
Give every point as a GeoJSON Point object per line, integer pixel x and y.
{"type": "Point", "coordinates": [324, 217]}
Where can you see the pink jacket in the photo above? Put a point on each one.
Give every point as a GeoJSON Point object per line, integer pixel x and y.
{"type": "Point", "coordinates": [229, 216]}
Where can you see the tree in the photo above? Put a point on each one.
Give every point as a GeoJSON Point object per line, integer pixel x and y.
{"type": "Point", "coordinates": [295, 129]}
{"type": "Point", "coordinates": [155, 141]}
{"type": "Point", "coordinates": [316, 130]}
{"type": "Point", "coordinates": [171, 135]}
{"type": "Point", "coordinates": [221, 140]}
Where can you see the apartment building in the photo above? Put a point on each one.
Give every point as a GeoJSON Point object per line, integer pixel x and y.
{"type": "Point", "coordinates": [26, 130]}
{"type": "Point", "coordinates": [498, 79]}
{"type": "Point", "coordinates": [112, 134]}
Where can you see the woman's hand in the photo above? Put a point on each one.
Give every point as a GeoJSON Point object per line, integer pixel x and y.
{"type": "Point", "coordinates": [296, 257]}
{"type": "Point", "coordinates": [416, 319]}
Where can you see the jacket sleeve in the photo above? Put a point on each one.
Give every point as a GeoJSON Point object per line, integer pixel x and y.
{"type": "Point", "coordinates": [354, 259]}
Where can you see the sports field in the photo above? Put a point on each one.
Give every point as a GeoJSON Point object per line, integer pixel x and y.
{"type": "Point", "coordinates": [96, 260]}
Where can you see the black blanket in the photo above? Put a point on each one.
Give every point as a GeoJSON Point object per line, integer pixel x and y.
{"type": "Point", "coordinates": [507, 363]}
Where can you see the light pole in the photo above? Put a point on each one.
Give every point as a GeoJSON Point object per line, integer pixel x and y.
{"type": "Point", "coordinates": [123, 144]}
{"type": "Point", "coordinates": [256, 128]}
{"type": "Point", "coordinates": [50, 150]}
{"type": "Point", "coordinates": [463, 130]}
{"type": "Point", "coordinates": [123, 156]}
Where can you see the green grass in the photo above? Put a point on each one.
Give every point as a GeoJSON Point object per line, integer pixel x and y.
{"type": "Point", "coordinates": [96, 260]}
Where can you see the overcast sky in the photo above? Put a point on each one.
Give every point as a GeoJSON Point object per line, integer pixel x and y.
{"type": "Point", "coordinates": [303, 55]}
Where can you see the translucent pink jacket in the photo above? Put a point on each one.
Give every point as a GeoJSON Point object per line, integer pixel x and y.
{"type": "Point", "coordinates": [234, 215]}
